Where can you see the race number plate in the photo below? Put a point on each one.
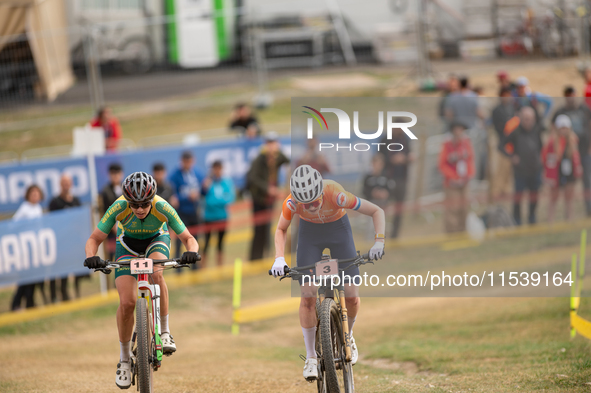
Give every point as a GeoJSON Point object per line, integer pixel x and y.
{"type": "Point", "coordinates": [141, 266]}
{"type": "Point", "coordinates": [329, 267]}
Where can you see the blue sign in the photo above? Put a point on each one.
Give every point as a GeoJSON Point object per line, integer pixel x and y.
{"type": "Point", "coordinates": [236, 156]}
{"type": "Point", "coordinates": [47, 247]}
{"type": "Point", "coordinates": [15, 178]}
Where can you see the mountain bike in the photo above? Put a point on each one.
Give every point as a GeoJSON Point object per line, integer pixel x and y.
{"type": "Point", "coordinates": [333, 342]}
{"type": "Point", "coordinates": [148, 349]}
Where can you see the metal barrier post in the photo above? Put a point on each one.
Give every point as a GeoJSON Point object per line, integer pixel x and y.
{"type": "Point", "coordinates": [93, 71]}
{"type": "Point", "coordinates": [94, 201]}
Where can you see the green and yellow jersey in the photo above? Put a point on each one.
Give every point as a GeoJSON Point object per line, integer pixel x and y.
{"type": "Point", "coordinates": [161, 214]}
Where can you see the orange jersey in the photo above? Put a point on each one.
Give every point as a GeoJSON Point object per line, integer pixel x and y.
{"type": "Point", "coordinates": [335, 201]}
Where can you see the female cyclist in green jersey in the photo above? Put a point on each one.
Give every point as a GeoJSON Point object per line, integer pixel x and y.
{"type": "Point", "coordinates": [142, 219]}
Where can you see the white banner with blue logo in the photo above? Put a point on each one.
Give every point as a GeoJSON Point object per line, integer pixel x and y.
{"type": "Point", "coordinates": [47, 247]}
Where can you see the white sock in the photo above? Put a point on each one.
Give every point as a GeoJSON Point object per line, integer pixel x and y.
{"type": "Point", "coordinates": [310, 341]}
{"type": "Point", "coordinates": [351, 323]}
{"type": "Point", "coordinates": [164, 324]}
{"type": "Point", "coordinates": [125, 351]}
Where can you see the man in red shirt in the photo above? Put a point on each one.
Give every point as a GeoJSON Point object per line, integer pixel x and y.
{"type": "Point", "coordinates": [456, 163]}
{"type": "Point", "coordinates": [588, 86]}
{"type": "Point", "coordinates": [109, 123]}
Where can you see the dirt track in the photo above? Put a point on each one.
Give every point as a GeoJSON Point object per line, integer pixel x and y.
{"type": "Point", "coordinates": [82, 356]}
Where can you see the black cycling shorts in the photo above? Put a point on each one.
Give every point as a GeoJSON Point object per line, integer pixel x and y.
{"type": "Point", "coordinates": [337, 236]}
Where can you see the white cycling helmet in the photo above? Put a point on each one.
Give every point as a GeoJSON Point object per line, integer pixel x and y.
{"type": "Point", "coordinates": [306, 184]}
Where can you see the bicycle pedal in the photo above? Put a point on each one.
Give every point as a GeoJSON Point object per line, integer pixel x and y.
{"type": "Point", "coordinates": [311, 379]}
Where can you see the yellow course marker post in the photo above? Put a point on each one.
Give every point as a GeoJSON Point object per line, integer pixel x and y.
{"type": "Point", "coordinates": [582, 259]}
{"type": "Point", "coordinates": [236, 294]}
{"type": "Point", "coordinates": [573, 294]}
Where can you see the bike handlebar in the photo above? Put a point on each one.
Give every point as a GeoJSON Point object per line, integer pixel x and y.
{"type": "Point", "coordinates": [107, 265]}
{"type": "Point", "coordinates": [359, 260]}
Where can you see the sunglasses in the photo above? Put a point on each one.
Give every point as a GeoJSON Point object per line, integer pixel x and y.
{"type": "Point", "coordinates": [316, 203]}
{"type": "Point", "coordinates": [144, 205]}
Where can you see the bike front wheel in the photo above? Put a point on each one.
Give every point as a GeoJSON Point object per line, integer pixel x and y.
{"type": "Point", "coordinates": [338, 373]}
{"type": "Point", "coordinates": [321, 381]}
{"type": "Point", "coordinates": [145, 348]}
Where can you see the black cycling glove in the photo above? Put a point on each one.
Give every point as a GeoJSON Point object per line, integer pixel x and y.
{"type": "Point", "coordinates": [190, 257]}
{"type": "Point", "coordinates": [93, 262]}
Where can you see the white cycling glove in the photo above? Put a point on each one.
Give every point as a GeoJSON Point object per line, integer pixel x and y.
{"type": "Point", "coordinates": [377, 251]}
{"type": "Point", "coordinates": [278, 267]}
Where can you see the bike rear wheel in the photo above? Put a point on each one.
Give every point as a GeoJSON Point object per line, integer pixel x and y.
{"type": "Point", "coordinates": [338, 373]}
{"type": "Point", "coordinates": [145, 346]}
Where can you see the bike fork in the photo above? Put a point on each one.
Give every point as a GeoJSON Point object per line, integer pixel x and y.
{"type": "Point", "coordinates": [345, 323]}
{"type": "Point", "coordinates": [156, 313]}
{"type": "Point", "coordinates": [152, 294]}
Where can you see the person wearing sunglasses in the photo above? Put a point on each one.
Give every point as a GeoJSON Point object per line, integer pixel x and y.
{"type": "Point", "coordinates": [142, 219]}
{"type": "Point", "coordinates": [322, 206]}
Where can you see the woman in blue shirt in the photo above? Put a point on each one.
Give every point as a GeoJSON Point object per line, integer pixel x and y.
{"type": "Point", "coordinates": [218, 193]}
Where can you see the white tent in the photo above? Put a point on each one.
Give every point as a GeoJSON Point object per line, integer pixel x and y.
{"type": "Point", "coordinates": [45, 26]}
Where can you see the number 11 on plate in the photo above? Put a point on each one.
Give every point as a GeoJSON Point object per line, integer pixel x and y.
{"type": "Point", "coordinates": [141, 266]}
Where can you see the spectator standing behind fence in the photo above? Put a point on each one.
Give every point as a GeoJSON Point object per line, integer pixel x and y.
{"type": "Point", "coordinates": [164, 188]}
{"type": "Point", "coordinates": [526, 97]}
{"type": "Point", "coordinates": [110, 125]}
{"type": "Point", "coordinates": [588, 87]}
{"type": "Point", "coordinates": [242, 120]}
{"type": "Point", "coordinates": [453, 86]}
{"type": "Point", "coordinates": [580, 117]}
{"type": "Point", "coordinates": [109, 194]}
{"type": "Point", "coordinates": [313, 158]}
{"type": "Point", "coordinates": [462, 106]}
{"type": "Point", "coordinates": [562, 165]}
{"type": "Point", "coordinates": [219, 193]}
{"type": "Point", "coordinates": [503, 174]}
{"type": "Point", "coordinates": [186, 182]}
{"type": "Point", "coordinates": [377, 187]}
{"type": "Point", "coordinates": [396, 168]}
{"type": "Point", "coordinates": [29, 209]}
{"type": "Point", "coordinates": [64, 200]}
{"type": "Point", "coordinates": [262, 182]}
{"type": "Point", "coordinates": [456, 163]}
{"type": "Point", "coordinates": [526, 158]}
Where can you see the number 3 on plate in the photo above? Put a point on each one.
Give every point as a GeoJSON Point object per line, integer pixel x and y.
{"type": "Point", "coordinates": [327, 268]}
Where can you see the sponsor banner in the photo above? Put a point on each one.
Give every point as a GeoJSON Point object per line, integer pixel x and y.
{"type": "Point", "coordinates": [46, 247]}
{"type": "Point", "coordinates": [236, 156]}
{"type": "Point", "coordinates": [14, 180]}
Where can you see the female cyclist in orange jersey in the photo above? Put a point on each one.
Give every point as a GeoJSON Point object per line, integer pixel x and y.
{"type": "Point", "coordinates": [321, 205]}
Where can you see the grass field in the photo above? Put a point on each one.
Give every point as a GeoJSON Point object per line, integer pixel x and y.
{"type": "Point", "coordinates": [43, 126]}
